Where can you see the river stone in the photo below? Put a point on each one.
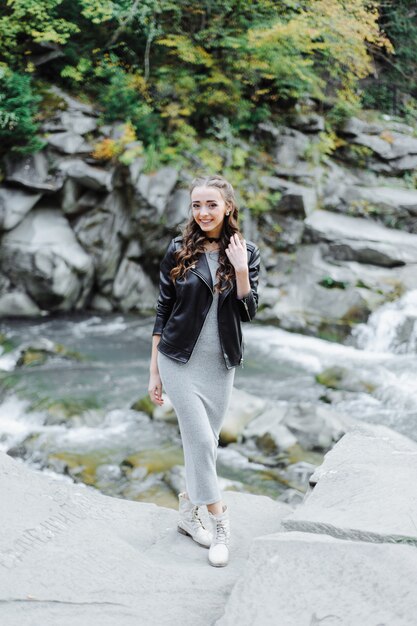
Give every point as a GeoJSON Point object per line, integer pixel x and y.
{"type": "Point", "coordinates": [101, 231]}
{"type": "Point", "coordinates": [356, 239]}
{"type": "Point", "coordinates": [70, 555]}
{"type": "Point", "coordinates": [133, 289]}
{"type": "Point", "coordinates": [101, 303]}
{"type": "Point", "coordinates": [43, 255]}
{"type": "Point", "coordinates": [14, 205]}
{"type": "Point", "coordinates": [156, 188]}
{"type": "Point", "coordinates": [242, 409]}
{"type": "Point", "coordinates": [370, 471]}
{"type": "Point", "coordinates": [96, 178]}
{"type": "Point", "coordinates": [69, 142]}
{"type": "Point", "coordinates": [269, 424]}
{"type": "Point", "coordinates": [31, 172]}
{"type": "Point", "coordinates": [18, 304]}
{"type": "Point", "coordinates": [294, 579]}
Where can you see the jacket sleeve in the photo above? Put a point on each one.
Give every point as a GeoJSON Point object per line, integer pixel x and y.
{"type": "Point", "coordinates": [167, 293]}
{"type": "Point", "coordinates": [249, 304]}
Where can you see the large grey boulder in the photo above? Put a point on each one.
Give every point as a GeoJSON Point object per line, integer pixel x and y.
{"type": "Point", "coordinates": [178, 208]}
{"type": "Point", "coordinates": [93, 177]}
{"type": "Point", "coordinates": [32, 172]}
{"type": "Point", "coordinates": [69, 555]}
{"type": "Point", "coordinates": [102, 231]}
{"type": "Point", "coordinates": [384, 199]}
{"type": "Point", "coordinates": [389, 145]}
{"type": "Point", "coordinates": [300, 579]}
{"type": "Point", "coordinates": [42, 255]}
{"type": "Point", "coordinates": [18, 304]}
{"type": "Point", "coordinates": [14, 205]}
{"type": "Point", "coordinates": [156, 188]}
{"type": "Point", "coordinates": [69, 142]}
{"type": "Point", "coordinates": [73, 120]}
{"type": "Point", "coordinates": [370, 471]}
{"type": "Point", "coordinates": [133, 289]}
{"type": "Point", "coordinates": [356, 239]}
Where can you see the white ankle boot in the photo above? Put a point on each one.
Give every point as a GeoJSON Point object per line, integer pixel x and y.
{"type": "Point", "coordinates": [190, 523]}
{"type": "Point", "coordinates": [219, 549]}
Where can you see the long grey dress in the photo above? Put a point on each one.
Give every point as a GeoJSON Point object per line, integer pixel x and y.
{"type": "Point", "coordinates": [200, 392]}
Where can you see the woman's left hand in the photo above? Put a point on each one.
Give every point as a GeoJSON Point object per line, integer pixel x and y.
{"type": "Point", "coordinates": [237, 254]}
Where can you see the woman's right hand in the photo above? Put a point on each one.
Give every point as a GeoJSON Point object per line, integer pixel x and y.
{"type": "Point", "coordinates": [155, 389]}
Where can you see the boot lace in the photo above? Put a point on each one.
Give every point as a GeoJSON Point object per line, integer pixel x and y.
{"type": "Point", "coordinates": [196, 517]}
{"type": "Point", "coordinates": [222, 532]}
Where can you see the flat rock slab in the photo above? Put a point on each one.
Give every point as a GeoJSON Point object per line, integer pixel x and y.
{"type": "Point", "coordinates": [297, 579]}
{"type": "Point", "coordinates": [72, 556]}
{"type": "Point", "coordinates": [364, 490]}
{"type": "Point", "coordinates": [358, 234]}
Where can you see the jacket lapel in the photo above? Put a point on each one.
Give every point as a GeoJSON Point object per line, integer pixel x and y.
{"type": "Point", "coordinates": [201, 268]}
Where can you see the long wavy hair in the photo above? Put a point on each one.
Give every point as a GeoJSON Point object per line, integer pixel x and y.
{"type": "Point", "coordinates": [193, 238]}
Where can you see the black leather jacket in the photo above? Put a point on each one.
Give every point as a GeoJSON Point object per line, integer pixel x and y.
{"type": "Point", "coordinates": [182, 307]}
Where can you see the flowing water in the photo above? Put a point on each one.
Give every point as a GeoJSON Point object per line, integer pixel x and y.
{"type": "Point", "coordinates": [73, 417]}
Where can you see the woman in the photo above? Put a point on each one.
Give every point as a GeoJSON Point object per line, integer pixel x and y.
{"type": "Point", "coordinates": [208, 285]}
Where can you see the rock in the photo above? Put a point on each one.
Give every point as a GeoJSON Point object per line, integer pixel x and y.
{"type": "Point", "coordinates": [308, 122]}
{"type": "Point", "coordinates": [382, 198]}
{"type": "Point", "coordinates": [291, 147]}
{"type": "Point", "coordinates": [178, 208]}
{"type": "Point", "coordinates": [101, 231]}
{"type": "Point", "coordinates": [72, 120]}
{"type": "Point", "coordinates": [346, 583]}
{"type": "Point", "coordinates": [270, 425]}
{"type": "Point", "coordinates": [69, 142]}
{"type": "Point", "coordinates": [72, 103]}
{"type": "Point", "coordinates": [314, 425]}
{"type": "Point", "coordinates": [133, 289]}
{"type": "Point", "coordinates": [156, 188]}
{"type": "Point", "coordinates": [101, 303]}
{"type": "Point", "coordinates": [109, 560]}
{"type": "Point", "coordinates": [298, 200]}
{"type": "Point", "coordinates": [14, 205]}
{"type": "Point", "coordinates": [18, 304]}
{"type": "Point", "coordinates": [389, 144]}
{"type": "Point", "coordinates": [96, 178]}
{"type": "Point", "coordinates": [31, 172]}
{"type": "Point", "coordinates": [365, 468]}
{"type": "Point", "coordinates": [242, 409]}
{"type": "Point", "coordinates": [43, 255]}
{"type": "Point", "coordinates": [355, 239]}
{"type": "Point", "coordinates": [338, 377]}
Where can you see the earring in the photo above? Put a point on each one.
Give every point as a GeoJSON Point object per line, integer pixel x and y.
{"type": "Point", "coordinates": [228, 213]}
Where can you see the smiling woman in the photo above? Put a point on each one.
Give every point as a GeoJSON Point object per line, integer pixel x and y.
{"type": "Point", "coordinates": [208, 285]}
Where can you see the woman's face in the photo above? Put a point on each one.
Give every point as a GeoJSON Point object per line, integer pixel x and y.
{"type": "Point", "coordinates": [209, 208]}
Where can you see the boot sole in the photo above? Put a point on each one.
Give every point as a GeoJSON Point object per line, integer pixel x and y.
{"type": "Point", "coordinates": [187, 534]}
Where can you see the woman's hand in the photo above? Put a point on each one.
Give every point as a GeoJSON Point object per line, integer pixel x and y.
{"type": "Point", "coordinates": [155, 389]}
{"type": "Point", "coordinates": [237, 254]}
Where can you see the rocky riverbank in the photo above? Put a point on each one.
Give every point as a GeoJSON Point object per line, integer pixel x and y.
{"type": "Point", "coordinates": [69, 554]}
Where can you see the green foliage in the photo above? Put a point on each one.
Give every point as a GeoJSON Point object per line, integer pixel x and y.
{"type": "Point", "coordinates": [18, 108]}
{"type": "Point", "coordinates": [183, 70]}
{"type": "Point", "coordinates": [330, 283]}
{"type": "Point", "coordinates": [394, 89]}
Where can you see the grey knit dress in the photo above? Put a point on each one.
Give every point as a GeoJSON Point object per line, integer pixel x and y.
{"type": "Point", "coordinates": [200, 392]}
